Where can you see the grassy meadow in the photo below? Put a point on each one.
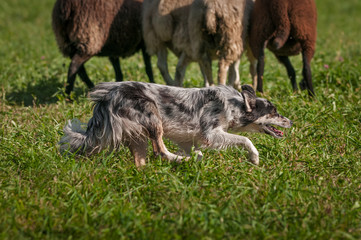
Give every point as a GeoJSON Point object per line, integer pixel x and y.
{"type": "Point", "coordinates": [307, 186]}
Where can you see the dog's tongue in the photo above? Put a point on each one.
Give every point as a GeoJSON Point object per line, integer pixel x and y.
{"type": "Point", "coordinates": [276, 131]}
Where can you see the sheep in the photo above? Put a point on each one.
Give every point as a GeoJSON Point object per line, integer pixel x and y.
{"type": "Point", "coordinates": [286, 28]}
{"type": "Point", "coordinates": [197, 31]}
{"type": "Point", "coordinates": [87, 28]}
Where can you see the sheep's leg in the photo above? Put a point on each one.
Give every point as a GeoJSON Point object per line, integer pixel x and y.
{"type": "Point", "coordinates": [234, 75]}
{"type": "Point", "coordinates": [205, 65]}
{"type": "Point", "coordinates": [163, 66]}
{"type": "Point", "coordinates": [181, 69]}
{"type": "Point", "coordinates": [76, 63]}
{"type": "Point", "coordinates": [260, 70]}
{"type": "Point", "coordinates": [219, 139]}
{"type": "Point", "coordinates": [117, 69]}
{"type": "Point", "coordinates": [223, 67]}
{"type": "Point", "coordinates": [290, 70]}
{"type": "Point", "coordinates": [307, 55]}
{"type": "Point", "coordinates": [252, 66]}
{"type": "Point", "coordinates": [84, 76]}
{"type": "Point", "coordinates": [139, 150]}
{"type": "Point", "coordinates": [148, 65]}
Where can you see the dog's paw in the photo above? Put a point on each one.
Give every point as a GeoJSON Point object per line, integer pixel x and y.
{"type": "Point", "coordinates": [254, 158]}
{"type": "Point", "coordinates": [199, 155]}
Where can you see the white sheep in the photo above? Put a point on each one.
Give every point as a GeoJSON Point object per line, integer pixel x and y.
{"type": "Point", "coordinates": [197, 31]}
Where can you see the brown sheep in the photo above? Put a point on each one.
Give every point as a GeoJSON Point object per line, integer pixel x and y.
{"type": "Point", "coordinates": [87, 28]}
{"type": "Point", "coordinates": [286, 28]}
{"type": "Point", "coordinates": [197, 31]}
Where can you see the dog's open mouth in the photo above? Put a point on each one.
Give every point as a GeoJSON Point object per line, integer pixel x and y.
{"type": "Point", "coordinates": [271, 130]}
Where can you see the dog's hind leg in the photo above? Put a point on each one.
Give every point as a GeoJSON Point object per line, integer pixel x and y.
{"type": "Point", "coordinates": [160, 149]}
{"type": "Point", "coordinates": [139, 149]}
{"type": "Point", "coordinates": [152, 123]}
{"type": "Point", "coordinates": [218, 139]}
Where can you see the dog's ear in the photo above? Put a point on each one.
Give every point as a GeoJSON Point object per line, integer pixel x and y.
{"type": "Point", "coordinates": [249, 89]}
{"type": "Point", "coordinates": [249, 97]}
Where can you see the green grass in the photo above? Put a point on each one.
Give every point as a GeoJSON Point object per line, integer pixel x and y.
{"type": "Point", "coordinates": [307, 186]}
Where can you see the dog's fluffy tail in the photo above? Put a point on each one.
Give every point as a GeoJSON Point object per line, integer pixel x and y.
{"type": "Point", "coordinates": [108, 128]}
{"type": "Point", "coordinates": [75, 137]}
{"type": "Point", "coordinates": [104, 130]}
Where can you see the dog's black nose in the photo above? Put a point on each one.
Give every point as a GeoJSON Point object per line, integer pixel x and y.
{"type": "Point", "coordinates": [291, 123]}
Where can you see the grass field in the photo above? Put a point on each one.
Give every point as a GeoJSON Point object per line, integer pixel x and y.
{"type": "Point", "coordinates": [307, 186]}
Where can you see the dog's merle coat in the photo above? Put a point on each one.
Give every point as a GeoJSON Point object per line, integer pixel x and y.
{"type": "Point", "coordinates": [129, 113]}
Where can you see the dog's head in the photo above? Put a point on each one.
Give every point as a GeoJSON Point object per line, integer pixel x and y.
{"type": "Point", "coordinates": [261, 115]}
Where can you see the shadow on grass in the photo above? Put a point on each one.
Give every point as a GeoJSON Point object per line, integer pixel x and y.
{"type": "Point", "coordinates": [42, 91]}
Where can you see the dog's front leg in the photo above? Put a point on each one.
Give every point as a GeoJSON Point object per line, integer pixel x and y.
{"type": "Point", "coordinates": [219, 139]}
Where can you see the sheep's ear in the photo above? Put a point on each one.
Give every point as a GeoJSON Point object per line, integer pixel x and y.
{"type": "Point", "coordinates": [249, 97]}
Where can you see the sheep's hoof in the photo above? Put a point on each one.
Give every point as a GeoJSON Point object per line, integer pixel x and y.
{"type": "Point", "coordinates": [303, 85]}
{"type": "Point", "coordinates": [295, 87]}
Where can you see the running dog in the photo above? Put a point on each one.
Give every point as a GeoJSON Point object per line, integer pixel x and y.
{"type": "Point", "coordinates": [130, 113]}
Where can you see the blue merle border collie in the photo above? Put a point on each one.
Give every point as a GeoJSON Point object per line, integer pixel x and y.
{"type": "Point", "coordinates": [130, 113]}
